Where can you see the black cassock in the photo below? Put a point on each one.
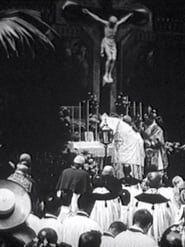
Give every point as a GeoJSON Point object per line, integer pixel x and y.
{"type": "Point", "coordinates": [76, 180]}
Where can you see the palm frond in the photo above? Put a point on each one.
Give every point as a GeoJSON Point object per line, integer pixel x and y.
{"type": "Point", "coordinates": [23, 29]}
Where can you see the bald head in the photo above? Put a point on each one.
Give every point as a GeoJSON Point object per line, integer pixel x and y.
{"type": "Point", "coordinates": [108, 170]}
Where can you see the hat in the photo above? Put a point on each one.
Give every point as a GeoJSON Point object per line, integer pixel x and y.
{"type": "Point", "coordinates": [26, 158]}
{"type": "Point", "coordinates": [15, 205]}
{"type": "Point", "coordinates": [79, 159]}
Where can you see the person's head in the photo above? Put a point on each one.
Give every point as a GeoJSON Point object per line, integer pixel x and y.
{"type": "Point", "coordinates": [86, 202]}
{"type": "Point", "coordinates": [52, 205]}
{"type": "Point", "coordinates": [148, 120]}
{"type": "Point", "coordinates": [26, 158]}
{"type": "Point", "coordinates": [46, 237]}
{"type": "Point", "coordinates": [90, 239]}
{"type": "Point", "coordinates": [48, 234]}
{"type": "Point", "coordinates": [79, 161]}
{"type": "Point", "coordinates": [24, 233]}
{"type": "Point", "coordinates": [172, 237]}
{"type": "Point", "coordinates": [117, 227]}
{"type": "Point", "coordinates": [112, 21]}
{"type": "Point", "coordinates": [143, 219]}
{"type": "Point", "coordinates": [176, 181]}
{"type": "Point", "coordinates": [22, 167]}
{"type": "Point", "coordinates": [108, 170]}
{"type": "Point", "coordinates": [127, 119]}
{"type": "Point", "coordinates": [24, 164]}
{"type": "Point", "coordinates": [154, 179]}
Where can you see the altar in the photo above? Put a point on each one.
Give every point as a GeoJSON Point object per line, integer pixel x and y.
{"type": "Point", "coordinates": [95, 148]}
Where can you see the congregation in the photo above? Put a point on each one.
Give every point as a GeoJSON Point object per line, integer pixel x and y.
{"type": "Point", "coordinates": [101, 211]}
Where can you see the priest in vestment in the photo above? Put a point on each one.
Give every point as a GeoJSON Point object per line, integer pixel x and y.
{"type": "Point", "coordinates": [154, 141]}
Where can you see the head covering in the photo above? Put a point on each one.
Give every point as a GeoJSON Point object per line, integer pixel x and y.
{"type": "Point", "coordinates": [25, 159]}
{"type": "Point", "coordinates": [15, 205]}
{"type": "Point", "coordinates": [108, 170]}
{"type": "Point", "coordinates": [79, 159]}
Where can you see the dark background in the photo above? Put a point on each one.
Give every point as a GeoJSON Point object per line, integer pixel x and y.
{"type": "Point", "coordinates": [31, 91]}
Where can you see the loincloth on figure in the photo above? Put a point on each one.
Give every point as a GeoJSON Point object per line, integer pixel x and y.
{"type": "Point", "coordinates": [108, 45]}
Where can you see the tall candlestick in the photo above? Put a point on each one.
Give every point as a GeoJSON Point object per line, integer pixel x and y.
{"type": "Point", "coordinates": [87, 117]}
{"type": "Point", "coordinates": [127, 107]}
{"type": "Point", "coordinates": [140, 110]}
{"type": "Point", "coordinates": [80, 120]}
{"type": "Point", "coordinates": [96, 126]}
{"type": "Point", "coordinates": [134, 109]}
{"type": "Point", "coordinates": [72, 115]}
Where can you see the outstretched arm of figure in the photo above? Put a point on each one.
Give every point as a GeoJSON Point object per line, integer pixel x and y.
{"type": "Point", "coordinates": [124, 19]}
{"type": "Point", "coordinates": [95, 17]}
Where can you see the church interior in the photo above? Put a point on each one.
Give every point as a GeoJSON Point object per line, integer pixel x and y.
{"type": "Point", "coordinates": [149, 69]}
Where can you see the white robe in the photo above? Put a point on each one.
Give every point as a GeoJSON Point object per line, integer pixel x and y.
{"type": "Point", "coordinates": [75, 225]}
{"type": "Point", "coordinates": [105, 212]}
{"type": "Point", "coordinates": [134, 239]}
{"type": "Point", "coordinates": [163, 215]}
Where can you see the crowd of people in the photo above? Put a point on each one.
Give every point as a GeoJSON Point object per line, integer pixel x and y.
{"type": "Point", "coordinates": [93, 211]}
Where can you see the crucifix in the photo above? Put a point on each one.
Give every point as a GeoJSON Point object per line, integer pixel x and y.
{"type": "Point", "coordinates": [134, 15]}
{"type": "Point", "coordinates": [108, 44]}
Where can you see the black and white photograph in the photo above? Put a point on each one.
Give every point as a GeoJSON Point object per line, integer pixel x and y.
{"type": "Point", "coordinates": [92, 123]}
